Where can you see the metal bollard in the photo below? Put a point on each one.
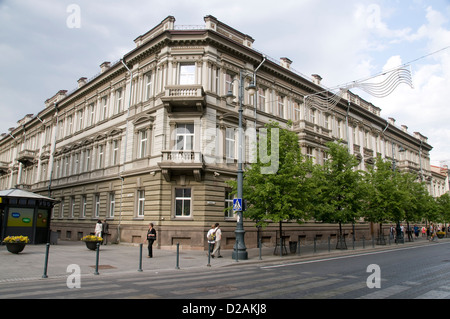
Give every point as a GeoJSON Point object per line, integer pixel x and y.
{"type": "Point", "coordinates": [178, 256]}
{"type": "Point", "coordinates": [140, 257]}
{"type": "Point", "coordinates": [260, 247]}
{"type": "Point", "coordinates": [329, 243]}
{"type": "Point", "coordinates": [46, 261]}
{"type": "Point", "coordinates": [209, 255]}
{"type": "Point", "coordinates": [237, 250]}
{"type": "Point", "coordinates": [298, 247]}
{"type": "Point", "coordinates": [96, 259]}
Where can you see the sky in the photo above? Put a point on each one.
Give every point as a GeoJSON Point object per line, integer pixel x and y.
{"type": "Point", "coordinates": [47, 45]}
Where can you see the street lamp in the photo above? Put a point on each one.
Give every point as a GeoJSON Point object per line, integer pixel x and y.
{"type": "Point", "coordinates": [399, 235]}
{"type": "Point", "coordinates": [239, 249]}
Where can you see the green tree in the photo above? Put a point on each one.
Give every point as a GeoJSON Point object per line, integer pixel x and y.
{"type": "Point", "coordinates": [379, 185]}
{"type": "Point", "coordinates": [277, 192]}
{"type": "Point", "coordinates": [339, 193]}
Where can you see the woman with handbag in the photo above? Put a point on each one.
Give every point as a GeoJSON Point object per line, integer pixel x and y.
{"type": "Point", "coordinates": [151, 237]}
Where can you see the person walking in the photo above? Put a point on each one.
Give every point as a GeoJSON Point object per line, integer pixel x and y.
{"type": "Point", "coordinates": [98, 228]}
{"type": "Point", "coordinates": [218, 233]}
{"type": "Point", "coordinates": [105, 230]}
{"type": "Point", "coordinates": [151, 237]}
{"type": "Point", "coordinates": [211, 237]}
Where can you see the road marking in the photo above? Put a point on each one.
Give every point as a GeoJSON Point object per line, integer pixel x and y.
{"type": "Point", "coordinates": [385, 292]}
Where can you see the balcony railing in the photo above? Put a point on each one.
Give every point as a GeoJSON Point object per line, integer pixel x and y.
{"type": "Point", "coordinates": [179, 98]}
{"type": "Point", "coordinates": [182, 163]}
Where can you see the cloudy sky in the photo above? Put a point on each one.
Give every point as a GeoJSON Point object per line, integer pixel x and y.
{"type": "Point", "coordinates": [47, 45]}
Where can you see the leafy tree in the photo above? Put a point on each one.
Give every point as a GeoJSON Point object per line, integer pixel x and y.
{"type": "Point", "coordinates": [339, 192]}
{"type": "Point", "coordinates": [379, 185]}
{"type": "Point", "coordinates": [280, 194]}
{"type": "Point", "coordinates": [443, 207]}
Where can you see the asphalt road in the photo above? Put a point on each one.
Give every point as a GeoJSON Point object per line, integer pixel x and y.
{"type": "Point", "coordinates": [421, 272]}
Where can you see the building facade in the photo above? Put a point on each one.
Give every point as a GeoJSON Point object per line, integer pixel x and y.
{"type": "Point", "coordinates": [151, 138]}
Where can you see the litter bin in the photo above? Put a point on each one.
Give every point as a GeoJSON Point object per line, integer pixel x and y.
{"type": "Point", "coordinates": [293, 247]}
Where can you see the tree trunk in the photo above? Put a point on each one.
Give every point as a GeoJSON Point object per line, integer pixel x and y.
{"type": "Point", "coordinates": [341, 239]}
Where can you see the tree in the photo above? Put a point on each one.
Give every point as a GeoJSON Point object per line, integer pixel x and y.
{"type": "Point", "coordinates": [379, 185]}
{"type": "Point", "coordinates": [443, 206]}
{"type": "Point", "coordinates": [339, 193]}
{"type": "Point", "coordinates": [281, 194]}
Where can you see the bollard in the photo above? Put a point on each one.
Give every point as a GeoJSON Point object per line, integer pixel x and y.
{"type": "Point", "coordinates": [364, 242]}
{"type": "Point", "coordinates": [96, 259]}
{"type": "Point", "coordinates": [178, 256]}
{"type": "Point", "coordinates": [140, 257]}
{"type": "Point", "coordinates": [237, 250]}
{"type": "Point", "coordinates": [298, 247]}
{"type": "Point", "coordinates": [209, 255]}
{"type": "Point", "coordinates": [260, 247]}
{"type": "Point", "coordinates": [314, 244]}
{"type": "Point", "coordinates": [46, 261]}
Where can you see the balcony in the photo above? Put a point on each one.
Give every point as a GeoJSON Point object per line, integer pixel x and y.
{"type": "Point", "coordinates": [184, 98]}
{"type": "Point", "coordinates": [179, 162]}
{"type": "Point", "coordinates": [26, 157]}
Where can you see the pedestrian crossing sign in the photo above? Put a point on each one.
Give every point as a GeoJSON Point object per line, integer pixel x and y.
{"type": "Point", "coordinates": [237, 204]}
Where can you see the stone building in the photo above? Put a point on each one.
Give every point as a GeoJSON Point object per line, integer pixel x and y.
{"type": "Point", "coordinates": [151, 138]}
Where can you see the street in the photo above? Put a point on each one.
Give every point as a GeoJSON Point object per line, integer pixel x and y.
{"type": "Point", "coordinates": [421, 272]}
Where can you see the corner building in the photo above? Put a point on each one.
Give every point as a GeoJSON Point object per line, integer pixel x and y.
{"type": "Point", "coordinates": [151, 138]}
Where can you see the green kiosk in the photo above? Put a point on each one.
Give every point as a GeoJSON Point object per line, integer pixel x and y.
{"type": "Point", "coordinates": [25, 213]}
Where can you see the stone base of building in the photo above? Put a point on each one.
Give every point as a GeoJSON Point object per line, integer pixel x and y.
{"type": "Point", "coordinates": [194, 237]}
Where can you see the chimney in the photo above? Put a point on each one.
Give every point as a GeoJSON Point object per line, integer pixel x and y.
{"type": "Point", "coordinates": [316, 79]}
{"type": "Point", "coordinates": [81, 82]}
{"type": "Point", "coordinates": [105, 66]}
{"type": "Point", "coordinates": [404, 128]}
{"type": "Point", "coordinates": [286, 63]}
{"type": "Point", "coordinates": [391, 121]}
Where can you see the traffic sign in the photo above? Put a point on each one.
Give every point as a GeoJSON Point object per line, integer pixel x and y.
{"type": "Point", "coordinates": [237, 204]}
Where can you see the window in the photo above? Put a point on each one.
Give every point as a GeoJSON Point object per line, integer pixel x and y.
{"type": "Point", "coordinates": [148, 86]}
{"type": "Point", "coordinates": [142, 146]}
{"type": "Point", "coordinates": [69, 125]}
{"type": "Point", "coordinates": [80, 120]}
{"type": "Point", "coordinates": [96, 206]}
{"type": "Point", "coordinates": [141, 203]}
{"type": "Point", "coordinates": [182, 202]}
{"type": "Point", "coordinates": [280, 106]}
{"type": "Point", "coordinates": [228, 82]}
{"type": "Point", "coordinates": [185, 137]}
{"type": "Point", "coordinates": [310, 153]}
{"type": "Point", "coordinates": [104, 108]}
{"type": "Point", "coordinates": [112, 204]}
{"type": "Point", "coordinates": [87, 160]}
{"type": "Point", "coordinates": [100, 156]}
{"type": "Point", "coordinates": [91, 114]}
{"type": "Point", "coordinates": [115, 152]}
{"type": "Point", "coordinates": [312, 115]}
{"type": "Point", "coordinates": [230, 143]}
{"type": "Point", "coordinates": [261, 99]}
{"type": "Point", "coordinates": [187, 73]}
{"type": "Point", "coordinates": [83, 206]}
{"type": "Point", "coordinates": [297, 113]}
{"type": "Point", "coordinates": [119, 101]}
{"type": "Point", "coordinates": [61, 209]}
{"type": "Point", "coordinates": [229, 204]}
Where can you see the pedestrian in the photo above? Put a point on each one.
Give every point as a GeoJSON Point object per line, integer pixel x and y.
{"type": "Point", "coordinates": [151, 237]}
{"type": "Point", "coordinates": [416, 231]}
{"type": "Point", "coordinates": [105, 230]}
{"type": "Point", "coordinates": [424, 231]}
{"type": "Point", "coordinates": [218, 233]}
{"type": "Point", "coordinates": [98, 228]}
{"type": "Point", "coordinates": [211, 237]}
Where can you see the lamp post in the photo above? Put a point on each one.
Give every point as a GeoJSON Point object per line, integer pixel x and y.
{"type": "Point", "coordinates": [399, 235]}
{"type": "Point", "coordinates": [239, 249]}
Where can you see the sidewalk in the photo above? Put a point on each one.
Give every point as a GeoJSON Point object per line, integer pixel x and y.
{"type": "Point", "coordinates": [124, 258]}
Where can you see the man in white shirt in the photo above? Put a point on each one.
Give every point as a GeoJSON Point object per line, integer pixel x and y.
{"type": "Point", "coordinates": [217, 243]}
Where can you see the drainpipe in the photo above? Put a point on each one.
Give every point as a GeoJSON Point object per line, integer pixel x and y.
{"type": "Point", "coordinates": [52, 154]}
{"type": "Point", "coordinates": [125, 149]}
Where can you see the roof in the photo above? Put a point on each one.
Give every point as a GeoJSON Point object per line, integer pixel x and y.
{"type": "Point", "coordinates": [15, 192]}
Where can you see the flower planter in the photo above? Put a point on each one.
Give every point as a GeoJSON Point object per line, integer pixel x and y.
{"type": "Point", "coordinates": [440, 235]}
{"type": "Point", "coordinates": [15, 248]}
{"type": "Point", "coordinates": [92, 245]}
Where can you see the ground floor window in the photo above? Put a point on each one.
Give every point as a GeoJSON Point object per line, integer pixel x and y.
{"type": "Point", "coordinates": [183, 202]}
